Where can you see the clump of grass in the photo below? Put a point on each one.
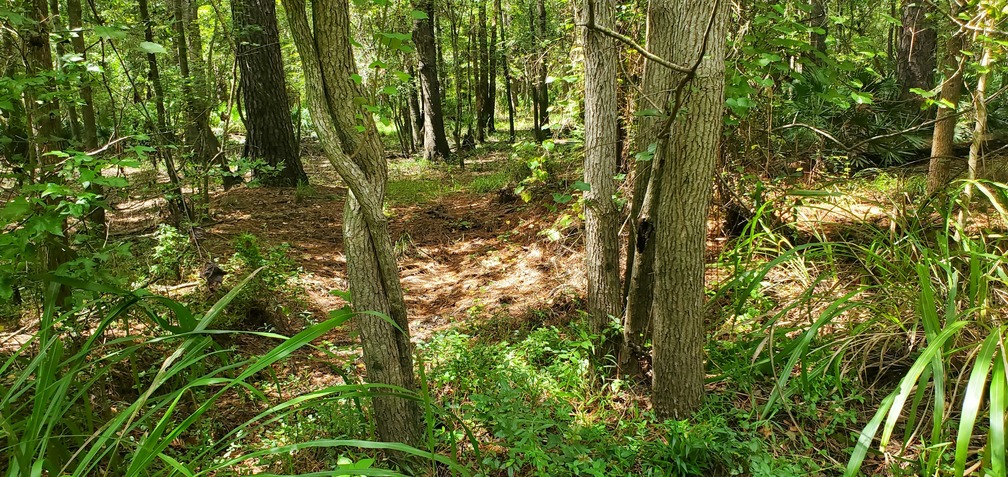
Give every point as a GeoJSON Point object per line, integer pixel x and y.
{"type": "Point", "coordinates": [494, 182]}
{"type": "Point", "coordinates": [414, 190]}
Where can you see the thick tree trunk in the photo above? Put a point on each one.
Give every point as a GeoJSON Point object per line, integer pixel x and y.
{"type": "Point", "coordinates": [601, 165]}
{"type": "Point", "coordinates": [270, 134]}
{"type": "Point", "coordinates": [45, 125]}
{"type": "Point", "coordinates": [360, 161]}
{"type": "Point", "coordinates": [944, 165]}
{"type": "Point", "coordinates": [639, 277]}
{"type": "Point", "coordinates": [435, 144]}
{"type": "Point", "coordinates": [915, 56]}
{"type": "Point", "coordinates": [687, 158]}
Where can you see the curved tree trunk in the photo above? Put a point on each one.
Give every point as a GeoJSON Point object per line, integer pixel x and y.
{"type": "Point", "coordinates": [270, 134]}
{"type": "Point", "coordinates": [360, 161]}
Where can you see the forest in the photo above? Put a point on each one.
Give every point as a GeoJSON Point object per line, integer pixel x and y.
{"type": "Point", "coordinates": [503, 238]}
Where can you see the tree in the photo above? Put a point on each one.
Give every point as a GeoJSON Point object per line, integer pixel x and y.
{"type": "Point", "coordinates": [359, 159]}
{"type": "Point", "coordinates": [819, 23]}
{"type": "Point", "coordinates": [682, 175]}
{"type": "Point", "coordinates": [600, 167]}
{"type": "Point", "coordinates": [915, 55]}
{"type": "Point", "coordinates": [944, 165]}
{"type": "Point", "coordinates": [435, 144]}
{"type": "Point", "coordinates": [198, 136]}
{"type": "Point", "coordinates": [540, 89]}
{"type": "Point", "coordinates": [270, 134]}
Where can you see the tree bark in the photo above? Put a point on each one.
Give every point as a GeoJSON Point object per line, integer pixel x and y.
{"type": "Point", "coordinates": [686, 163]}
{"type": "Point", "coordinates": [915, 56]}
{"type": "Point", "coordinates": [177, 205]}
{"type": "Point", "coordinates": [819, 21]}
{"type": "Point", "coordinates": [639, 277]}
{"type": "Point", "coordinates": [601, 165]}
{"type": "Point", "coordinates": [542, 96]}
{"type": "Point", "coordinates": [45, 126]}
{"type": "Point", "coordinates": [492, 74]}
{"type": "Point", "coordinates": [416, 114]}
{"type": "Point", "coordinates": [481, 73]}
{"type": "Point", "coordinates": [359, 159]}
{"type": "Point", "coordinates": [943, 165]}
{"type": "Point", "coordinates": [435, 145]}
{"type": "Point", "coordinates": [270, 134]}
{"type": "Point", "coordinates": [507, 71]}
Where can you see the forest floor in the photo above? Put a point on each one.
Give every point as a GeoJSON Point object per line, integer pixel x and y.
{"type": "Point", "coordinates": [494, 285]}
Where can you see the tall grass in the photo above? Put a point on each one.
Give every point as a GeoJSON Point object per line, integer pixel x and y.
{"type": "Point", "coordinates": [938, 288]}
{"type": "Point", "coordinates": [58, 417]}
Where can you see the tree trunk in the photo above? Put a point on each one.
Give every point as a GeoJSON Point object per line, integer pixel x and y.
{"type": "Point", "coordinates": [542, 96]}
{"type": "Point", "coordinates": [639, 277]}
{"type": "Point", "coordinates": [686, 156]}
{"type": "Point", "coordinates": [507, 71]}
{"type": "Point", "coordinates": [45, 126]}
{"type": "Point", "coordinates": [601, 165]}
{"type": "Point", "coordinates": [915, 56]}
{"type": "Point", "coordinates": [435, 144]}
{"type": "Point", "coordinates": [57, 25]}
{"type": "Point", "coordinates": [980, 126]}
{"type": "Point", "coordinates": [943, 165]}
{"type": "Point", "coordinates": [177, 205]}
{"type": "Point", "coordinates": [481, 74]}
{"type": "Point", "coordinates": [819, 22]}
{"type": "Point", "coordinates": [492, 76]}
{"type": "Point", "coordinates": [416, 114]}
{"type": "Point", "coordinates": [360, 161]}
{"type": "Point", "coordinates": [270, 134]}
{"type": "Point", "coordinates": [89, 131]}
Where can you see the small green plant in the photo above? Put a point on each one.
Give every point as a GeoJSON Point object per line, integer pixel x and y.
{"type": "Point", "coordinates": [167, 257]}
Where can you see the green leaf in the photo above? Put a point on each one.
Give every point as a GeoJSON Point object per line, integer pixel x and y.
{"type": "Point", "coordinates": [152, 48]}
{"type": "Point", "coordinates": [418, 15]}
{"type": "Point", "coordinates": [581, 186]}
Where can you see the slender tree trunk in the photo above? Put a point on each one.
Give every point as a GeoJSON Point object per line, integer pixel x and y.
{"type": "Point", "coordinates": [943, 165]}
{"type": "Point", "coordinates": [543, 88]}
{"type": "Point", "coordinates": [89, 131]}
{"type": "Point", "coordinates": [533, 82]}
{"type": "Point", "coordinates": [481, 74]}
{"type": "Point", "coordinates": [601, 165]}
{"type": "Point", "coordinates": [359, 159]}
{"type": "Point", "coordinates": [507, 71]}
{"type": "Point", "coordinates": [457, 80]}
{"type": "Point", "coordinates": [915, 57]}
{"type": "Point", "coordinates": [819, 22]}
{"type": "Point", "coordinates": [270, 134]}
{"type": "Point", "coordinates": [57, 24]}
{"type": "Point", "coordinates": [416, 114]}
{"type": "Point", "coordinates": [492, 75]}
{"type": "Point", "coordinates": [176, 201]}
{"type": "Point", "coordinates": [435, 142]}
{"type": "Point", "coordinates": [980, 126]}
{"type": "Point", "coordinates": [687, 155]}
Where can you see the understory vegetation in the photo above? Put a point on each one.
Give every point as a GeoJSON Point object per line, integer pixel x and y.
{"type": "Point", "coordinates": [503, 238]}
